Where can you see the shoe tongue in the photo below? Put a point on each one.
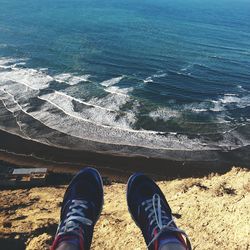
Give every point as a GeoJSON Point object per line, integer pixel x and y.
{"type": "Point", "coordinates": [69, 203]}
{"type": "Point", "coordinates": [160, 218]}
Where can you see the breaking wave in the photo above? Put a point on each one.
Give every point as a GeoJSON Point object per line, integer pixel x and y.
{"type": "Point", "coordinates": [114, 119]}
{"type": "Point", "coordinates": [71, 79]}
{"type": "Point", "coordinates": [112, 81]}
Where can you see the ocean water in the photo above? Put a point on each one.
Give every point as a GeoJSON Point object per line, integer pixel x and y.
{"type": "Point", "coordinates": [126, 77]}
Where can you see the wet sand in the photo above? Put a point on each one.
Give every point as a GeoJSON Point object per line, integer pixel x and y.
{"type": "Point", "coordinates": [16, 150]}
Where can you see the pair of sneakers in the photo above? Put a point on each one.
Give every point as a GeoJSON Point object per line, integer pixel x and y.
{"type": "Point", "coordinates": [82, 206]}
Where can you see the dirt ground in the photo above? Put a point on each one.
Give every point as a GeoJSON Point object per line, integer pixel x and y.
{"type": "Point", "coordinates": [213, 210]}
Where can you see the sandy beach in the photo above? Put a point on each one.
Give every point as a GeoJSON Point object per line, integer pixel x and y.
{"type": "Point", "coordinates": [213, 209]}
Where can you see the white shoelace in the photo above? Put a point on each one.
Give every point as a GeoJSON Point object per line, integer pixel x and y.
{"type": "Point", "coordinates": [75, 217]}
{"type": "Point", "coordinates": [159, 216]}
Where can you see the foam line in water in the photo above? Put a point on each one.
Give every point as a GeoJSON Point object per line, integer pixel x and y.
{"type": "Point", "coordinates": [164, 114]}
{"type": "Point", "coordinates": [112, 81]}
{"type": "Point", "coordinates": [100, 119]}
{"type": "Point", "coordinates": [92, 113]}
{"type": "Point", "coordinates": [32, 78]}
{"type": "Point", "coordinates": [72, 127]}
{"type": "Point", "coordinates": [66, 106]}
{"type": "Point", "coordinates": [7, 60]}
{"type": "Point", "coordinates": [222, 104]}
{"type": "Point", "coordinates": [69, 124]}
{"type": "Point", "coordinates": [106, 107]}
{"type": "Point", "coordinates": [118, 91]}
{"type": "Point", "coordinates": [157, 75]}
{"type": "Point", "coordinates": [71, 79]}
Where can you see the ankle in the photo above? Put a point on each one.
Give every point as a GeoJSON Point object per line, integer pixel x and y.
{"type": "Point", "coordinates": [68, 242]}
{"type": "Point", "coordinates": [170, 242]}
{"type": "Point", "coordinates": [64, 245]}
{"type": "Point", "coordinates": [172, 246]}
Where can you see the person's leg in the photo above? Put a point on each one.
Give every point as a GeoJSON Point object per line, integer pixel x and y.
{"type": "Point", "coordinates": [81, 208]}
{"type": "Point", "coordinates": [66, 246]}
{"type": "Point", "coordinates": [172, 246]}
{"type": "Point", "coordinates": [152, 214]}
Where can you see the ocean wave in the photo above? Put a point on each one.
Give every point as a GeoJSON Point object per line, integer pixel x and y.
{"type": "Point", "coordinates": [164, 114]}
{"type": "Point", "coordinates": [7, 60]}
{"type": "Point", "coordinates": [183, 74]}
{"type": "Point", "coordinates": [223, 103]}
{"type": "Point", "coordinates": [32, 78]}
{"type": "Point", "coordinates": [93, 113]}
{"type": "Point", "coordinates": [227, 102]}
{"type": "Point", "coordinates": [11, 63]}
{"type": "Point", "coordinates": [157, 75]}
{"type": "Point", "coordinates": [35, 78]}
{"type": "Point", "coordinates": [160, 75]}
{"type": "Point", "coordinates": [71, 79]}
{"type": "Point", "coordinates": [111, 102]}
{"type": "Point", "coordinates": [148, 79]}
{"type": "Point", "coordinates": [119, 91]}
{"type": "Point", "coordinates": [102, 111]}
{"type": "Point", "coordinates": [196, 107]}
{"type": "Point", "coordinates": [83, 129]}
{"type": "Point", "coordinates": [112, 81]}
{"type": "Point", "coordinates": [62, 120]}
{"type": "Point", "coordinates": [107, 119]}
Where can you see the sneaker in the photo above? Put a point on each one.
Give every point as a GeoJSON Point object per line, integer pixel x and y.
{"type": "Point", "coordinates": [81, 208]}
{"type": "Point", "coordinates": [151, 212]}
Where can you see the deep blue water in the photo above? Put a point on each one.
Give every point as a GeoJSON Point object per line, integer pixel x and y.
{"type": "Point", "coordinates": [167, 66]}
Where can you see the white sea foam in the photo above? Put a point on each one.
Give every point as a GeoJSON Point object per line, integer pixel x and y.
{"type": "Point", "coordinates": [95, 113]}
{"type": "Point", "coordinates": [218, 107]}
{"type": "Point", "coordinates": [148, 79]}
{"type": "Point", "coordinates": [62, 119]}
{"type": "Point", "coordinates": [160, 75]}
{"type": "Point", "coordinates": [183, 74]}
{"type": "Point", "coordinates": [196, 107]}
{"type": "Point", "coordinates": [230, 99]}
{"type": "Point", "coordinates": [38, 79]}
{"type": "Point", "coordinates": [34, 78]}
{"type": "Point", "coordinates": [164, 114]}
{"type": "Point", "coordinates": [111, 102]}
{"type": "Point", "coordinates": [151, 78]}
{"type": "Point", "coordinates": [118, 91]}
{"type": "Point", "coordinates": [100, 119]}
{"type": "Point", "coordinates": [112, 81]}
{"type": "Point", "coordinates": [79, 127]}
{"type": "Point", "coordinates": [7, 60]}
{"type": "Point", "coordinates": [227, 102]}
{"type": "Point", "coordinates": [71, 79]}
{"type": "Point", "coordinates": [29, 77]}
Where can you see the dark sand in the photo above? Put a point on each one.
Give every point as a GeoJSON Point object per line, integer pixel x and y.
{"type": "Point", "coordinates": [18, 151]}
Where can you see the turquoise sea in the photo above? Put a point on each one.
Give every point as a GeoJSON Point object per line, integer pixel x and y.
{"type": "Point", "coordinates": [126, 77]}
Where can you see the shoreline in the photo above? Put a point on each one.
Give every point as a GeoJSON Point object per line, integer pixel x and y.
{"type": "Point", "coordinates": [21, 152]}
